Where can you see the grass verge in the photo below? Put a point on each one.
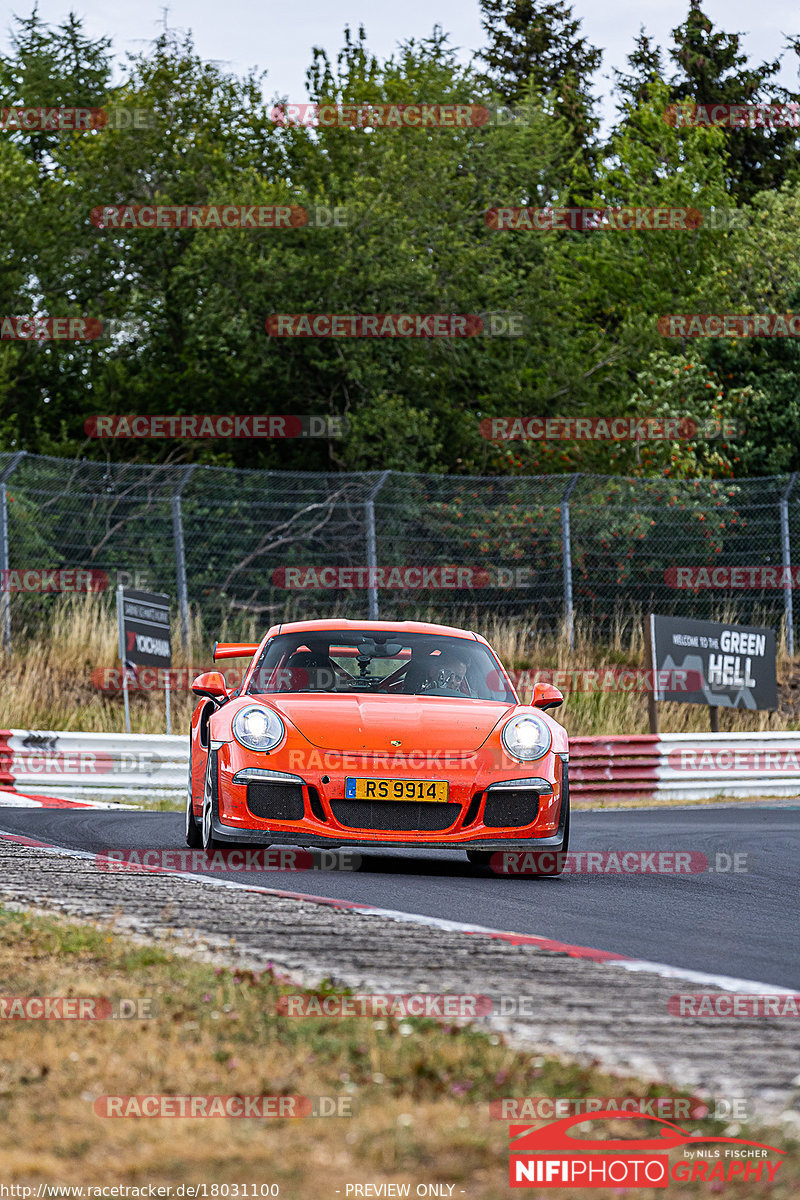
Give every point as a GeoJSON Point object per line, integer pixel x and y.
{"type": "Point", "coordinates": [421, 1089]}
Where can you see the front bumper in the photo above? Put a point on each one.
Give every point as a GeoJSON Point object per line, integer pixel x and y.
{"type": "Point", "coordinates": [234, 823]}
{"type": "Point", "coordinates": [258, 837]}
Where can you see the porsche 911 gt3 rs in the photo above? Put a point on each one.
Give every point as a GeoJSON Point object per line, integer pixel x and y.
{"type": "Point", "coordinates": [376, 733]}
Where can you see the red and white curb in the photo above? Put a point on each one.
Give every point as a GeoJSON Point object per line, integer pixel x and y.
{"type": "Point", "coordinates": [725, 982]}
{"type": "Point", "coordinates": [11, 799]}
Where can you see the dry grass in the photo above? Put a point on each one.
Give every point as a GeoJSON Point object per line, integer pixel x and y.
{"type": "Point", "coordinates": [47, 683]}
{"type": "Point", "coordinates": [521, 646]}
{"type": "Point", "coordinates": [421, 1090]}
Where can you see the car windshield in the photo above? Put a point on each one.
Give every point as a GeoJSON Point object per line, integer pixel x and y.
{"type": "Point", "coordinates": [411, 664]}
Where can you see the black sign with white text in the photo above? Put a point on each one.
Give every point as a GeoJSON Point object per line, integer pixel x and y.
{"type": "Point", "coordinates": [144, 636]}
{"type": "Point", "coordinates": [735, 662]}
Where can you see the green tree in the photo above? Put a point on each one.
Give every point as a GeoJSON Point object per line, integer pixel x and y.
{"type": "Point", "coordinates": [53, 67]}
{"type": "Point", "coordinates": [646, 61]}
{"type": "Point", "coordinates": [713, 68]}
{"type": "Point", "coordinates": [539, 42]}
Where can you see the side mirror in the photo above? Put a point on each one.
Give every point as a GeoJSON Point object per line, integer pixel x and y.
{"type": "Point", "coordinates": [211, 683]}
{"type": "Point", "coordinates": [546, 696]}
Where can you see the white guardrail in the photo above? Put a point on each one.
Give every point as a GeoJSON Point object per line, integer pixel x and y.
{"type": "Point", "coordinates": [106, 767]}
{"type": "Point", "coordinates": [132, 768]}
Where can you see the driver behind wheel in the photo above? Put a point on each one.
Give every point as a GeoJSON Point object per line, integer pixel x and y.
{"type": "Point", "coordinates": [310, 671]}
{"type": "Point", "coordinates": [445, 673]}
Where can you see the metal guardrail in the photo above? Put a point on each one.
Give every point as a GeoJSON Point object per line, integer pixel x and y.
{"type": "Point", "coordinates": [680, 766]}
{"type": "Point", "coordinates": [685, 766]}
{"type": "Point", "coordinates": [94, 766]}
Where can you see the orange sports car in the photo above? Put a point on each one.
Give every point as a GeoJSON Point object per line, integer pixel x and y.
{"type": "Point", "coordinates": [375, 733]}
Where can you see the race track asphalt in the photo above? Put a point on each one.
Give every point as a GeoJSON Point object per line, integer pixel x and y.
{"type": "Point", "coordinates": [743, 923]}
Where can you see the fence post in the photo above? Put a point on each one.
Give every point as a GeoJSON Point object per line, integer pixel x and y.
{"type": "Point", "coordinates": [5, 600]}
{"type": "Point", "coordinates": [566, 559]}
{"type": "Point", "coordinates": [786, 550]}
{"type": "Point", "coordinates": [372, 552]}
{"type": "Point", "coordinates": [180, 554]}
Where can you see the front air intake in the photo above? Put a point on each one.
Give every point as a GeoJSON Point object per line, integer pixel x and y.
{"type": "Point", "coordinates": [510, 809]}
{"type": "Point", "coordinates": [395, 815]}
{"type": "Point", "coordinates": [276, 801]}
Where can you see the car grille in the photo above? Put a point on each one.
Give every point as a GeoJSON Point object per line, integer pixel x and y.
{"type": "Point", "coordinates": [511, 809]}
{"type": "Point", "coordinates": [276, 801]}
{"type": "Point", "coordinates": [394, 814]}
{"type": "Point", "coordinates": [315, 803]}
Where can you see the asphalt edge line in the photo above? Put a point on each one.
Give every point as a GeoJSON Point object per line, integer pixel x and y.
{"type": "Point", "coordinates": [723, 982]}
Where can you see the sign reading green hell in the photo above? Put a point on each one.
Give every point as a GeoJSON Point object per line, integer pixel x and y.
{"type": "Point", "coordinates": [736, 663]}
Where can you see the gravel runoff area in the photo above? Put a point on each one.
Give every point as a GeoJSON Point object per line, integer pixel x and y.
{"type": "Point", "coordinates": [580, 1009]}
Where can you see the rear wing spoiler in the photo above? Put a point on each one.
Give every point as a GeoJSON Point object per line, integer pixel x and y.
{"type": "Point", "coordinates": [235, 649]}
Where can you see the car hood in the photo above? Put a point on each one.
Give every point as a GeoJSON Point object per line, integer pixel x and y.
{"type": "Point", "coordinates": [369, 724]}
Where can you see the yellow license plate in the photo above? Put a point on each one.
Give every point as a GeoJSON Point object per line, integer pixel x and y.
{"type": "Point", "coordinates": [435, 791]}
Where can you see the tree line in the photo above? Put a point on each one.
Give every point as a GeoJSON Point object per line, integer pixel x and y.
{"type": "Point", "coordinates": [410, 220]}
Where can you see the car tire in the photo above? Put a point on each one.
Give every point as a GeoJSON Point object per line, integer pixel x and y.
{"type": "Point", "coordinates": [207, 839]}
{"type": "Point", "coordinates": [480, 858]}
{"type": "Point", "coordinates": [561, 852]}
{"type": "Point", "coordinates": [194, 834]}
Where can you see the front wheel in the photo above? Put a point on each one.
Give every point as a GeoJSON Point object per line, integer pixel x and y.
{"type": "Point", "coordinates": [480, 858]}
{"type": "Point", "coordinates": [208, 841]}
{"type": "Point", "coordinates": [553, 858]}
{"type": "Point", "coordinates": [194, 834]}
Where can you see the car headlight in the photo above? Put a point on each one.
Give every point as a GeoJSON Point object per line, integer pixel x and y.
{"type": "Point", "coordinates": [527, 737]}
{"type": "Point", "coordinates": [257, 728]}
